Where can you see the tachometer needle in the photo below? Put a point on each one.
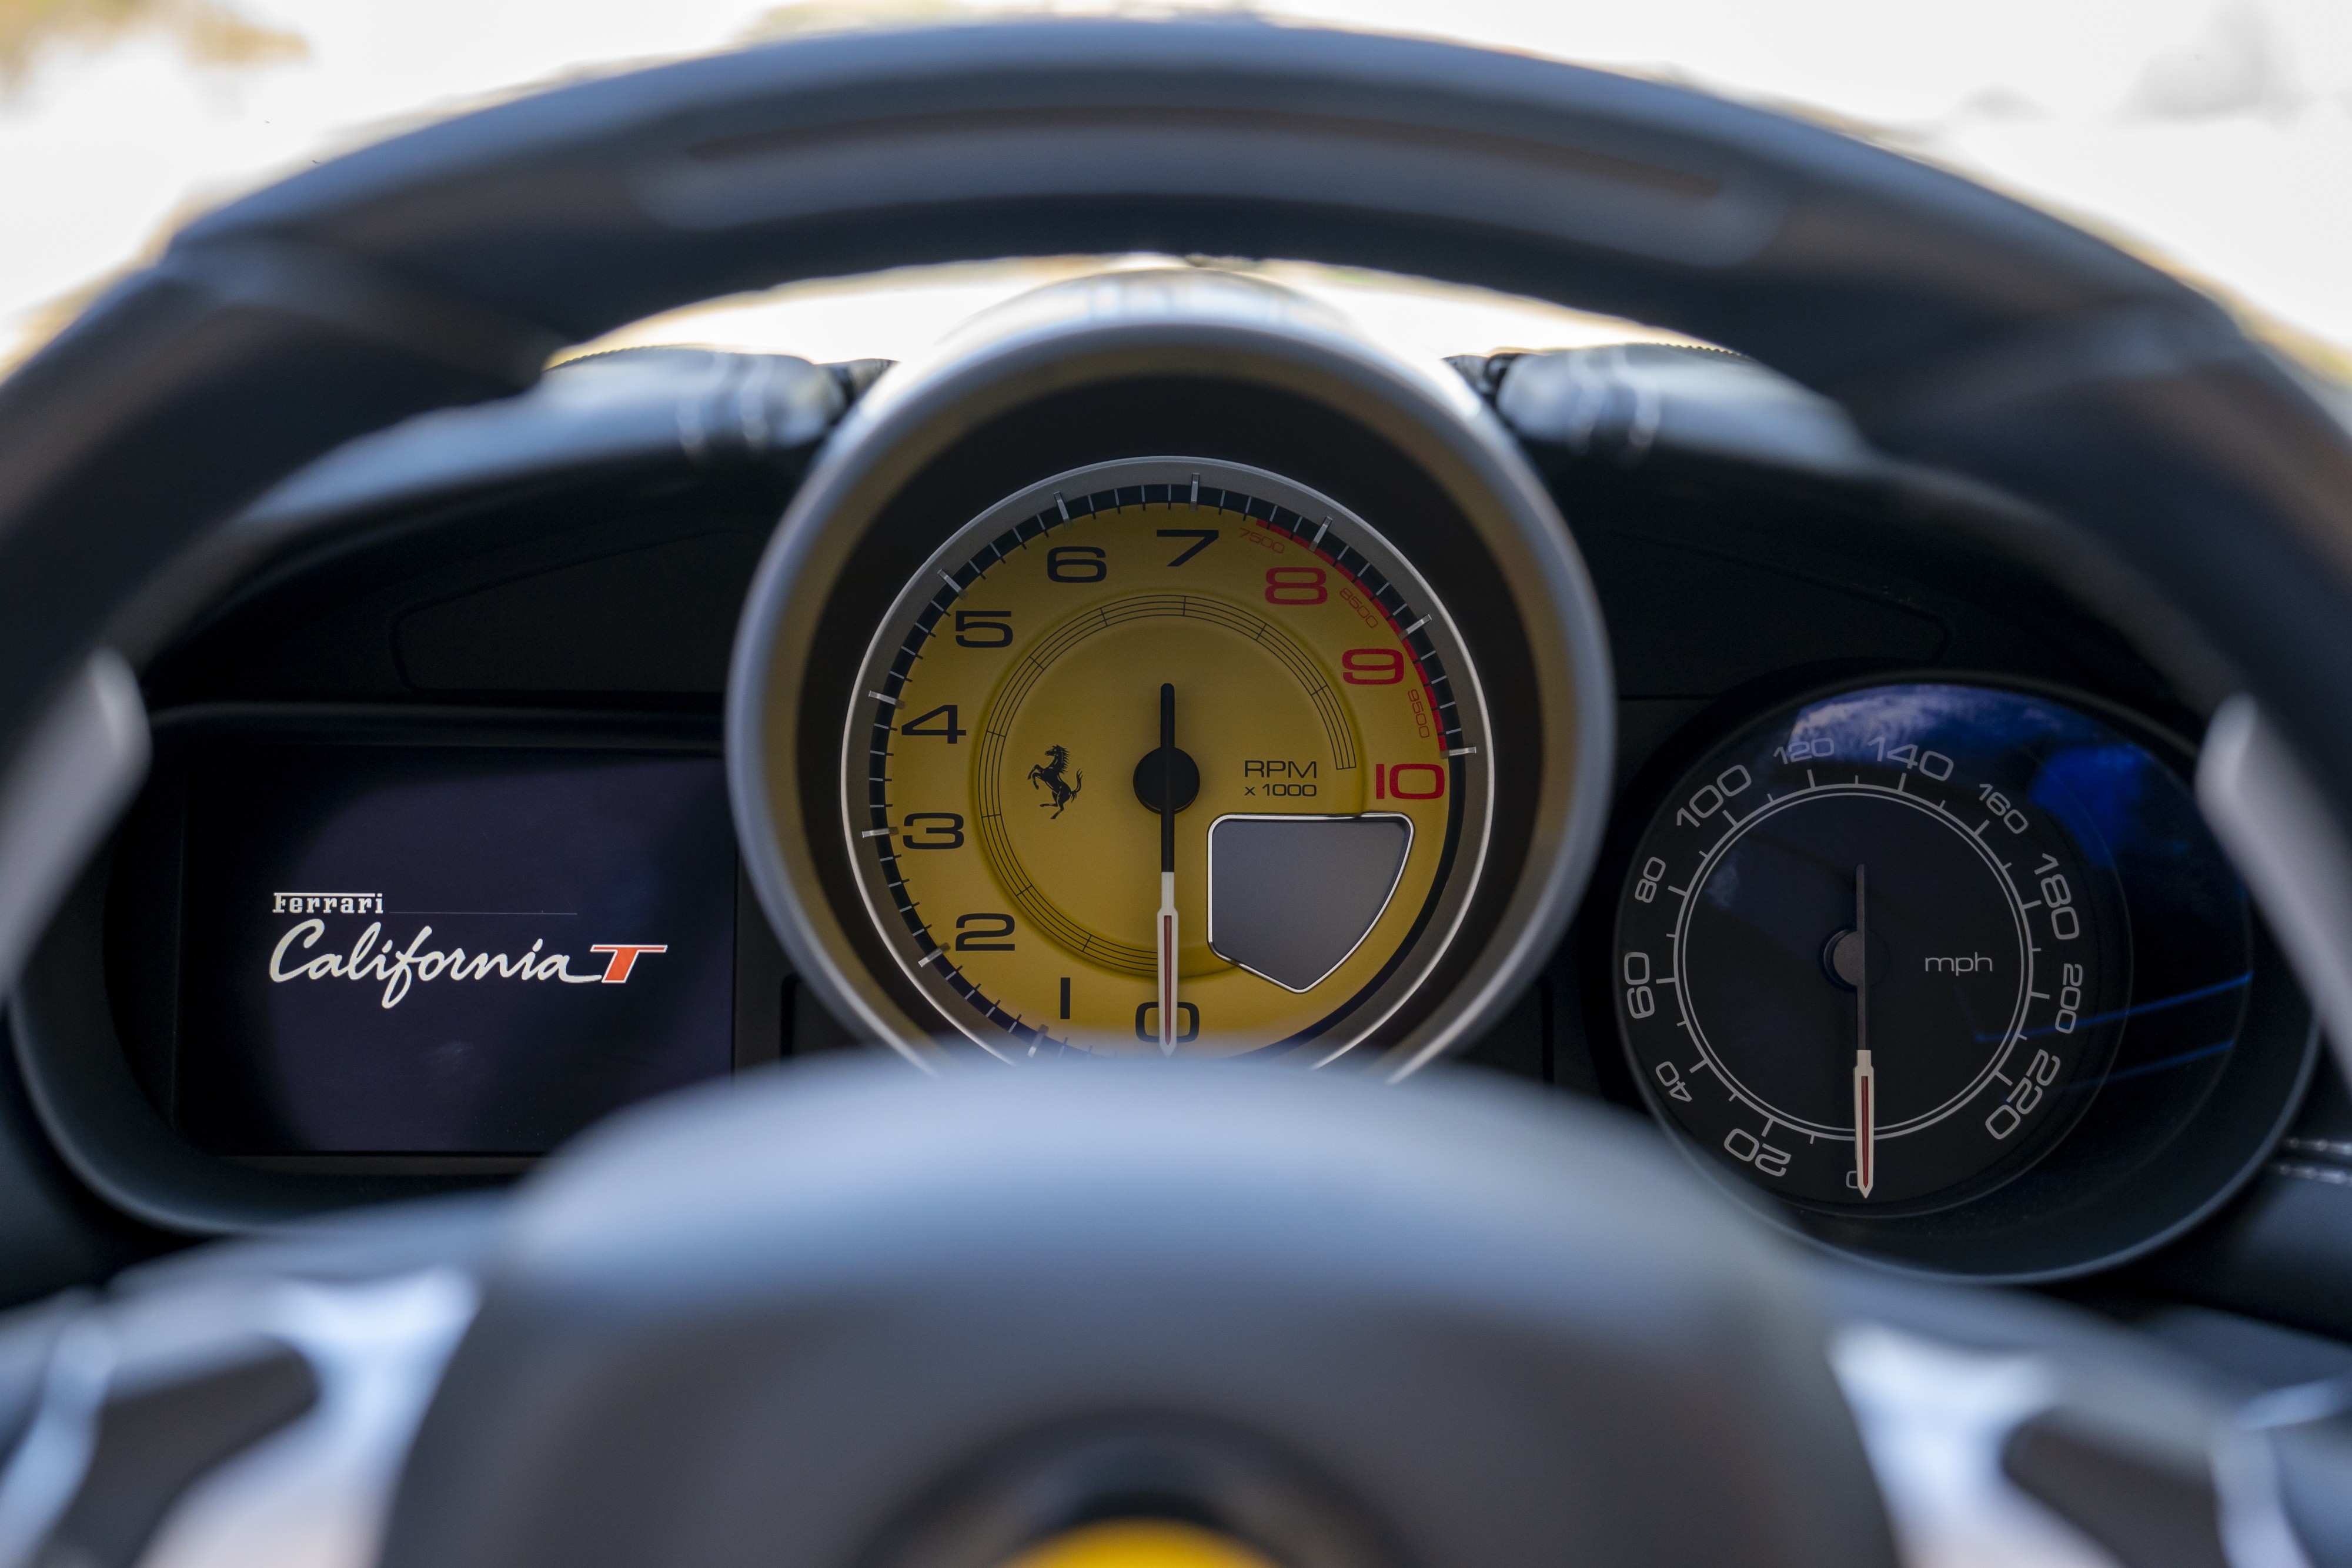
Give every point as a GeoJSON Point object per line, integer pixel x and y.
{"type": "Point", "coordinates": [1866, 1077]}
{"type": "Point", "coordinates": [1166, 870]}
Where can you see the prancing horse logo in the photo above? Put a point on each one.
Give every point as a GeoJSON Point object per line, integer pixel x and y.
{"type": "Point", "coordinates": [1049, 773]}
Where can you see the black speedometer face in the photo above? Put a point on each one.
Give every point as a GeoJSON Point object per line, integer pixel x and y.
{"type": "Point", "coordinates": [1872, 952]}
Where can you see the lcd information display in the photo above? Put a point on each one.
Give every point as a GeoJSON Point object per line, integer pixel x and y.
{"type": "Point", "coordinates": [447, 950]}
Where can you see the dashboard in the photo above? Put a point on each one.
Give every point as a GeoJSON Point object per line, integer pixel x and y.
{"type": "Point", "coordinates": [1110, 695]}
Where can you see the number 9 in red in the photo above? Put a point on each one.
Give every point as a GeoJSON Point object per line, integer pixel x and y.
{"type": "Point", "coordinates": [1371, 667]}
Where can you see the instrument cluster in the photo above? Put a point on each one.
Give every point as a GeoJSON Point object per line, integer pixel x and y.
{"type": "Point", "coordinates": [1158, 671]}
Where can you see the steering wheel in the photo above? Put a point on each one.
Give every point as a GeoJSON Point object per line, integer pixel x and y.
{"type": "Point", "coordinates": [849, 1320]}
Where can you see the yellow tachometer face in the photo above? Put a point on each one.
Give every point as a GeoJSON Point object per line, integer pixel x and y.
{"type": "Point", "coordinates": [1006, 783]}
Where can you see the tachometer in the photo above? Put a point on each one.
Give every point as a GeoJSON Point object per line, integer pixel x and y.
{"type": "Point", "coordinates": [1166, 754]}
{"type": "Point", "coordinates": [1041, 744]}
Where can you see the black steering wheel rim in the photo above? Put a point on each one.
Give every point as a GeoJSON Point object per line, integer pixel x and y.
{"type": "Point", "coordinates": [1957, 328]}
{"type": "Point", "coordinates": [1957, 325]}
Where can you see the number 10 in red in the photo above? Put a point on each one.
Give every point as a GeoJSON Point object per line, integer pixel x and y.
{"type": "Point", "coordinates": [1408, 781]}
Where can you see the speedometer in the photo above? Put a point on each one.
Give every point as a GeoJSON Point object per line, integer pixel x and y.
{"type": "Point", "coordinates": [1873, 952]}
{"type": "Point", "coordinates": [1953, 976]}
{"type": "Point", "coordinates": [1167, 754]}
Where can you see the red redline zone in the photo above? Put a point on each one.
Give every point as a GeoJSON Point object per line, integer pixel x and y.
{"type": "Point", "coordinates": [1428, 692]}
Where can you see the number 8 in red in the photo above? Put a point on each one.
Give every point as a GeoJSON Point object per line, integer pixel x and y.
{"type": "Point", "coordinates": [1294, 585]}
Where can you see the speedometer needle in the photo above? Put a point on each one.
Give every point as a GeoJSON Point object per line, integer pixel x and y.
{"type": "Point", "coordinates": [1166, 870]}
{"type": "Point", "coordinates": [1865, 1078]}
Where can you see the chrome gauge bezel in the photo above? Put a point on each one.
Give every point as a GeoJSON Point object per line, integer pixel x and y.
{"type": "Point", "coordinates": [1248, 376]}
{"type": "Point", "coordinates": [1310, 517]}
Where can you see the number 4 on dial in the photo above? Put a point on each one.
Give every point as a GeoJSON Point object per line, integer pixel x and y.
{"type": "Point", "coordinates": [947, 729]}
